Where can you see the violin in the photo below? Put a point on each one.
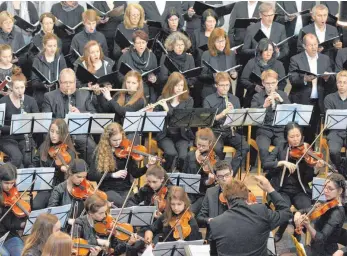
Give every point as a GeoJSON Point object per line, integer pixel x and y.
{"type": "Point", "coordinates": [138, 152]}
{"type": "Point", "coordinates": [311, 157]}
{"type": "Point", "coordinates": [158, 199]}
{"type": "Point", "coordinates": [20, 207]}
{"type": "Point", "coordinates": [181, 226]}
{"type": "Point", "coordinates": [81, 247]}
{"type": "Point", "coordinates": [210, 161]}
{"type": "Point", "coordinates": [251, 198]}
{"type": "Point", "coordinates": [317, 212]}
{"type": "Point", "coordinates": [86, 189]}
{"type": "Point", "coordinates": [60, 155]}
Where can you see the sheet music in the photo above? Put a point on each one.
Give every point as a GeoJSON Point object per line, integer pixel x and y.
{"type": "Point", "coordinates": [197, 250]}
{"type": "Point", "coordinates": [285, 114]}
{"type": "Point", "coordinates": [255, 116]}
{"type": "Point", "coordinates": [154, 121]}
{"type": "Point", "coordinates": [3, 239]}
{"type": "Point", "coordinates": [44, 178]}
{"type": "Point", "coordinates": [78, 122]}
{"type": "Point", "coordinates": [336, 119]}
{"type": "Point", "coordinates": [235, 117]}
{"type": "Point", "coordinates": [133, 121]}
{"type": "Point", "coordinates": [2, 113]}
{"type": "Point", "coordinates": [22, 123]}
{"type": "Point", "coordinates": [317, 187]}
{"type": "Point", "coordinates": [166, 248]}
{"type": "Point", "coordinates": [190, 182]}
{"type": "Point", "coordinates": [100, 121]}
{"type": "Point", "coordinates": [62, 212]}
{"type": "Point", "coordinates": [138, 216]}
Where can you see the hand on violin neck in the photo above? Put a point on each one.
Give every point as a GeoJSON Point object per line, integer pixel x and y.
{"type": "Point", "coordinates": [211, 179]}
{"type": "Point", "coordinates": [64, 168]}
{"type": "Point", "coordinates": [133, 239]}
{"type": "Point", "coordinates": [152, 160]}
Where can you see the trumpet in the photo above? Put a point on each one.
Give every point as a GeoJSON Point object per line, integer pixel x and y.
{"type": "Point", "coordinates": [5, 83]}
{"type": "Point", "coordinates": [158, 102]}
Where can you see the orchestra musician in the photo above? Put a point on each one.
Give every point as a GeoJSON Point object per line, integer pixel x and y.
{"type": "Point", "coordinates": [289, 178]}
{"type": "Point", "coordinates": [269, 99]}
{"type": "Point", "coordinates": [337, 138]}
{"type": "Point", "coordinates": [212, 206]}
{"type": "Point", "coordinates": [44, 225]}
{"type": "Point", "coordinates": [244, 228]}
{"type": "Point", "coordinates": [59, 243]}
{"type": "Point", "coordinates": [13, 245]}
{"type": "Point", "coordinates": [17, 146]}
{"type": "Point", "coordinates": [326, 230]}
{"type": "Point", "coordinates": [224, 102]}
{"type": "Point", "coordinates": [203, 159]}
{"type": "Point", "coordinates": [6, 65]}
{"type": "Point", "coordinates": [56, 140]}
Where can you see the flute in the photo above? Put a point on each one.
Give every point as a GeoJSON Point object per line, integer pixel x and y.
{"type": "Point", "coordinates": [111, 90]}
{"type": "Point", "coordinates": [158, 102]}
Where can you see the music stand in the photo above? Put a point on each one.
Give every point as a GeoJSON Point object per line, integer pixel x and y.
{"type": "Point", "coordinates": [317, 187]}
{"type": "Point", "coordinates": [2, 113]}
{"type": "Point", "coordinates": [190, 182]}
{"type": "Point", "coordinates": [197, 250]}
{"type": "Point", "coordinates": [175, 248]}
{"type": "Point", "coordinates": [193, 117]}
{"type": "Point", "coordinates": [245, 117]}
{"type": "Point", "coordinates": [271, 248]}
{"type": "Point", "coordinates": [99, 121]}
{"type": "Point", "coordinates": [138, 216]}
{"type": "Point", "coordinates": [62, 212]}
{"type": "Point", "coordinates": [286, 113]}
{"type": "Point", "coordinates": [3, 238]}
{"type": "Point", "coordinates": [149, 121]}
{"type": "Point", "coordinates": [336, 119]}
{"type": "Point", "coordinates": [43, 177]}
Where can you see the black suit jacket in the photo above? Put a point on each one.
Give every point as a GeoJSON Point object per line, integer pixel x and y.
{"type": "Point", "coordinates": [278, 33]}
{"type": "Point", "coordinates": [54, 102]}
{"type": "Point", "coordinates": [236, 35]}
{"type": "Point", "coordinates": [290, 7]}
{"type": "Point", "coordinates": [244, 229]}
{"type": "Point", "coordinates": [300, 92]}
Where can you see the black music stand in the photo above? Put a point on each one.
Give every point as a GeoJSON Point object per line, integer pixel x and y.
{"type": "Point", "coordinates": [43, 177]}
{"type": "Point", "coordinates": [286, 113]}
{"type": "Point", "coordinates": [175, 248]}
{"type": "Point", "coordinates": [317, 187]}
{"type": "Point", "coordinates": [193, 117]}
{"type": "Point", "coordinates": [138, 216]}
{"type": "Point", "coordinates": [2, 114]}
{"type": "Point", "coordinates": [190, 182]}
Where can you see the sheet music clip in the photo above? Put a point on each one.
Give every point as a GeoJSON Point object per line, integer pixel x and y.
{"type": "Point", "coordinates": [31, 123]}
{"type": "Point", "coordinates": [62, 212]}
{"type": "Point", "coordinates": [336, 119]}
{"type": "Point", "coordinates": [138, 216]}
{"type": "Point", "coordinates": [193, 117]}
{"type": "Point", "coordinates": [149, 121]}
{"type": "Point", "coordinates": [286, 113]}
{"type": "Point", "coordinates": [245, 117]}
{"type": "Point", "coordinates": [3, 238]}
{"type": "Point", "coordinates": [2, 113]}
{"type": "Point", "coordinates": [175, 248]}
{"type": "Point", "coordinates": [190, 182]}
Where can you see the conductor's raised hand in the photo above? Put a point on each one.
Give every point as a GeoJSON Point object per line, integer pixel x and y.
{"type": "Point", "coordinates": [264, 183]}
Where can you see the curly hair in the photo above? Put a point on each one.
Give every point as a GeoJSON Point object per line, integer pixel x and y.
{"type": "Point", "coordinates": [127, 23]}
{"type": "Point", "coordinates": [340, 183]}
{"type": "Point", "coordinates": [217, 33]}
{"type": "Point", "coordinates": [173, 38]}
{"type": "Point", "coordinates": [137, 95]}
{"type": "Point", "coordinates": [169, 87]}
{"type": "Point", "coordinates": [104, 155]}
{"type": "Point", "coordinates": [86, 55]}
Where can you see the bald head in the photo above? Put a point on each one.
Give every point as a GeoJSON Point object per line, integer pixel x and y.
{"type": "Point", "coordinates": [67, 81]}
{"type": "Point", "coordinates": [311, 44]}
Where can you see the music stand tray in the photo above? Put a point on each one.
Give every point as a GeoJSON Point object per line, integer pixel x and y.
{"type": "Point", "coordinates": [245, 117]}
{"type": "Point", "coordinates": [99, 121]}
{"type": "Point", "coordinates": [193, 117]}
{"type": "Point", "coordinates": [43, 175]}
{"type": "Point", "coordinates": [78, 123]}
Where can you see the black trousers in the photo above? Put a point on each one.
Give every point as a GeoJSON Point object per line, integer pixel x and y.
{"type": "Point", "coordinates": [238, 142]}
{"type": "Point", "coordinates": [117, 197]}
{"type": "Point", "coordinates": [85, 145]}
{"type": "Point", "coordinates": [15, 149]}
{"type": "Point", "coordinates": [41, 200]}
{"type": "Point", "coordinates": [311, 130]}
{"type": "Point", "coordinates": [264, 137]}
{"type": "Point", "coordinates": [335, 143]}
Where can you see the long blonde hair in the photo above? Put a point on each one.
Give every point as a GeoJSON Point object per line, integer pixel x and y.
{"type": "Point", "coordinates": [58, 243]}
{"type": "Point", "coordinates": [127, 23]}
{"type": "Point", "coordinates": [104, 154]}
{"type": "Point", "coordinates": [137, 95]}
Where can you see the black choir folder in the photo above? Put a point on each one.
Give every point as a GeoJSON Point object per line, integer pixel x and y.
{"type": "Point", "coordinates": [194, 72]}
{"type": "Point", "coordinates": [200, 7]}
{"type": "Point", "coordinates": [121, 40]}
{"type": "Point", "coordinates": [27, 26]}
{"type": "Point", "coordinates": [213, 70]}
{"type": "Point", "coordinates": [125, 68]}
{"type": "Point", "coordinates": [308, 73]}
{"type": "Point", "coordinates": [85, 76]}
{"type": "Point", "coordinates": [43, 78]}
{"type": "Point", "coordinates": [293, 14]}
{"type": "Point", "coordinates": [118, 11]}
{"type": "Point", "coordinates": [245, 22]}
{"type": "Point", "coordinates": [154, 24]}
{"type": "Point", "coordinates": [22, 50]}
{"type": "Point", "coordinates": [72, 30]}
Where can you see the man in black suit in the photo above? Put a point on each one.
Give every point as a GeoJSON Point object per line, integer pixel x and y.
{"type": "Point", "coordinates": [68, 99]}
{"type": "Point", "coordinates": [244, 229]}
{"type": "Point", "coordinates": [273, 31]}
{"type": "Point", "coordinates": [308, 89]}
{"type": "Point", "coordinates": [322, 30]}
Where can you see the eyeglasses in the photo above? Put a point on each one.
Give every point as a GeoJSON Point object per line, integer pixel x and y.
{"type": "Point", "coordinates": [135, 15]}
{"type": "Point", "coordinates": [270, 84]}
{"type": "Point", "coordinates": [221, 41]}
{"type": "Point", "coordinates": [140, 43]}
{"type": "Point", "coordinates": [66, 82]}
{"type": "Point", "coordinates": [269, 15]}
{"type": "Point", "coordinates": [329, 189]}
{"type": "Point", "coordinates": [225, 176]}
{"type": "Point", "coordinates": [223, 85]}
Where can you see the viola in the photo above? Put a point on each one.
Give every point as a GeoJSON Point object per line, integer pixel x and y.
{"type": "Point", "coordinates": [85, 189]}
{"type": "Point", "coordinates": [311, 157]}
{"type": "Point", "coordinates": [138, 152]}
{"type": "Point", "coordinates": [20, 208]}
{"type": "Point", "coordinates": [60, 155]}
{"type": "Point", "coordinates": [81, 247]}
{"type": "Point", "coordinates": [251, 198]}
{"type": "Point", "coordinates": [181, 226]}
{"type": "Point", "coordinates": [158, 199]}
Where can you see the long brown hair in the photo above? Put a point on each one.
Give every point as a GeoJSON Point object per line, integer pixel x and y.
{"type": "Point", "coordinates": [104, 154]}
{"type": "Point", "coordinates": [63, 135]}
{"type": "Point", "coordinates": [137, 95]}
{"type": "Point", "coordinates": [86, 55]}
{"type": "Point", "coordinates": [217, 33]}
{"type": "Point", "coordinates": [169, 87]}
{"type": "Point", "coordinates": [46, 38]}
{"type": "Point", "coordinates": [94, 203]}
{"type": "Point", "coordinates": [42, 229]}
{"type": "Point", "coordinates": [58, 243]}
{"type": "Point", "coordinates": [176, 193]}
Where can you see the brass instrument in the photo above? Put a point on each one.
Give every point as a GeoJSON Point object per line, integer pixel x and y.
{"type": "Point", "coordinates": [158, 102]}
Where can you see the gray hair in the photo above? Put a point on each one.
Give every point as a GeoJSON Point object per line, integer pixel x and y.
{"type": "Point", "coordinates": [174, 37]}
{"type": "Point", "coordinates": [67, 71]}
{"type": "Point", "coordinates": [266, 6]}
{"type": "Point", "coordinates": [319, 7]}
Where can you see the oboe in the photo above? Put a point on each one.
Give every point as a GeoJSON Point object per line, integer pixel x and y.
{"type": "Point", "coordinates": [26, 136]}
{"type": "Point", "coordinates": [226, 105]}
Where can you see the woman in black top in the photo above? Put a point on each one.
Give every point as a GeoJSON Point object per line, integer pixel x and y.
{"type": "Point", "coordinates": [17, 147]}
{"type": "Point", "coordinates": [134, 19]}
{"type": "Point", "coordinates": [49, 63]}
{"type": "Point", "coordinates": [13, 245]}
{"type": "Point", "coordinates": [326, 230]}
{"type": "Point", "coordinates": [122, 102]}
{"type": "Point", "coordinates": [287, 177]}
{"type": "Point", "coordinates": [141, 59]}
{"type": "Point", "coordinates": [44, 226]}
{"type": "Point", "coordinates": [174, 141]}
{"type": "Point", "coordinates": [6, 66]}
{"type": "Point", "coordinates": [117, 181]}
{"type": "Point", "coordinates": [265, 58]}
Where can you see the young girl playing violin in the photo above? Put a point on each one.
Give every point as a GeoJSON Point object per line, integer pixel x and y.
{"type": "Point", "coordinates": [289, 178]}
{"type": "Point", "coordinates": [177, 208]}
{"type": "Point", "coordinates": [44, 226]}
{"type": "Point", "coordinates": [13, 245]}
{"type": "Point", "coordinates": [56, 151]}
{"type": "Point", "coordinates": [106, 162]}
{"type": "Point", "coordinates": [155, 191]}
{"type": "Point", "coordinates": [197, 160]}
{"type": "Point", "coordinates": [329, 217]}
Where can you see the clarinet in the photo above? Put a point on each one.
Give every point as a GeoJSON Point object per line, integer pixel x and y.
{"type": "Point", "coordinates": [26, 136]}
{"type": "Point", "coordinates": [226, 105]}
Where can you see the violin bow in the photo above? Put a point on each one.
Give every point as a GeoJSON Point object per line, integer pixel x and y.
{"type": "Point", "coordinates": [73, 217]}
{"type": "Point", "coordinates": [208, 155]}
{"type": "Point", "coordinates": [176, 223]}
{"type": "Point", "coordinates": [20, 196]}
{"type": "Point", "coordinates": [246, 174]}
